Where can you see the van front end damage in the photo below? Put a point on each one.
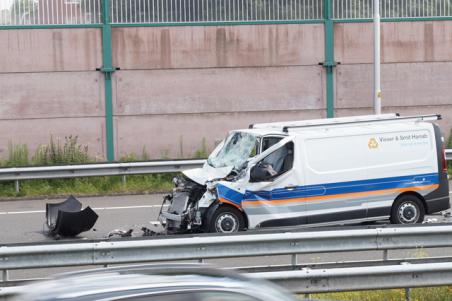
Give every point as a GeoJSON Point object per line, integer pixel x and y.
{"type": "Point", "coordinates": [196, 204]}
{"type": "Point", "coordinates": [192, 207]}
{"type": "Point", "coordinates": [181, 211]}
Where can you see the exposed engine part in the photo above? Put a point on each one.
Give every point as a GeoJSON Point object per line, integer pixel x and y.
{"type": "Point", "coordinates": [180, 212]}
{"type": "Point", "coordinates": [67, 219]}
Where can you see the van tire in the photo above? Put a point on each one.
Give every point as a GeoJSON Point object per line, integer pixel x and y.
{"type": "Point", "coordinates": [227, 219]}
{"type": "Point", "coordinates": [407, 209]}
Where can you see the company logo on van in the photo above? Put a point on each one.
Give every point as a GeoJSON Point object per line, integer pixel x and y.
{"type": "Point", "coordinates": [373, 143]}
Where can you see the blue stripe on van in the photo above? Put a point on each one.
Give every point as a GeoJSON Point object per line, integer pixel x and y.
{"type": "Point", "coordinates": [229, 194]}
{"type": "Point", "coordinates": [330, 188]}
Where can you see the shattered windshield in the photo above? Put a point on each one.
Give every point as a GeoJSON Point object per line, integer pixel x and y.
{"type": "Point", "coordinates": [236, 150]}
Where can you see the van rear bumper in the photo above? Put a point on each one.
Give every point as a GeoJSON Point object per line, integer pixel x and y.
{"type": "Point", "coordinates": [438, 204]}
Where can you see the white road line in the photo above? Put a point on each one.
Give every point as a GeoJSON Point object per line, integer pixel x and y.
{"type": "Point", "coordinates": [95, 208]}
{"type": "Point", "coordinates": [21, 212]}
{"type": "Point", "coordinates": [126, 207]}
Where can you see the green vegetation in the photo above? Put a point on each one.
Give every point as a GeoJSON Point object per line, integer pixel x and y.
{"type": "Point", "coordinates": [89, 186]}
{"type": "Point", "coordinates": [48, 154]}
{"type": "Point", "coordinates": [202, 152]}
{"type": "Point", "coordinates": [17, 155]}
{"type": "Point", "coordinates": [69, 151]}
{"type": "Point", "coordinates": [443, 293]}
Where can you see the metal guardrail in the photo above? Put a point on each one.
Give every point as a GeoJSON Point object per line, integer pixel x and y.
{"type": "Point", "coordinates": [308, 280]}
{"type": "Point", "coordinates": [102, 169]}
{"type": "Point", "coordinates": [27, 256]}
{"type": "Point", "coordinates": [362, 278]}
{"type": "Point", "coordinates": [323, 277]}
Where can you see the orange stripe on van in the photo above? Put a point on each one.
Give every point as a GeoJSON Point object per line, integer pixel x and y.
{"type": "Point", "coordinates": [222, 200]}
{"type": "Point", "coordinates": [327, 197]}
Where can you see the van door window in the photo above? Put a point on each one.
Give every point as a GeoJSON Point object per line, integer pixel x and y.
{"type": "Point", "coordinates": [268, 142]}
{"type": "Point", "coordinates": [274, 164]}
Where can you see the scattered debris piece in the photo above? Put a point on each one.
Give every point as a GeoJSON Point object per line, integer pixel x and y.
{"type": "Point", "coordinates": [446, 213]}
{"type": "Point", "coordinates": [120, 233]}
{"type": "Point", "coordinates": [150, 232]}
{"type": "Point", "coordinates": [431, 221]}
{"type": "Point", "coordinates": [66, 219]}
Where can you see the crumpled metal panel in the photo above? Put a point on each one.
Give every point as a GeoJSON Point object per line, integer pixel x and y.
{"type": "Point", "coordinates": [67, 218]}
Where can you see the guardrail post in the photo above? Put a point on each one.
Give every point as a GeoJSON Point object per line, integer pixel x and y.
{"type": "Point", "coordinates": [5, 275]}
{"type": "Point", "coordinates": [294, 259]}
{"type": "Point", "coordinates": [407, 294]}
{"type": "Point", "coordinates": [17, 184]}
{"type": "Point", "coordinates": [385, 254]}
{"type": "Point", "coordinates": [124, 180]}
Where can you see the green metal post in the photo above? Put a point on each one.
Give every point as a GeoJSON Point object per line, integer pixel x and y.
{"type": "Point", "coordinates": [107, 69]}
{"type": "Point", "coordinates": [329, 63]}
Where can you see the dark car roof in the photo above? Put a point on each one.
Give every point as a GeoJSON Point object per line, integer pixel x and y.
{"type": "Point", "coordinates": [117, 283]}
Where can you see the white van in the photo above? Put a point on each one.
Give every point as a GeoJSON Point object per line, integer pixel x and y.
{"type": "Point", "coordinates": [326, 171]}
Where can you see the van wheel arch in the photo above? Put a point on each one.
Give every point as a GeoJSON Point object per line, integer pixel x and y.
{"type": "Point", "coordinates": [413, 193]}
{"type": "Point", "coordinates": [406, 196]}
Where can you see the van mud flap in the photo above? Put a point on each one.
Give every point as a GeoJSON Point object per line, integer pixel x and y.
{"type": "Point", "coordinates": [67, 219]}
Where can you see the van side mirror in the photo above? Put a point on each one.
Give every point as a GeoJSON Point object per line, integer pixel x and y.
{"type": "Point", "coordinates": [258, 173]}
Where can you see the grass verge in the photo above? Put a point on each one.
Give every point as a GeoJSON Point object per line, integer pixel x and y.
{"type": "Point", "coordinates": [443, 293]}
{"type": "Point", "coordinates": [88, 186]}
{"type": "Point", "coordinates": [69, 151]}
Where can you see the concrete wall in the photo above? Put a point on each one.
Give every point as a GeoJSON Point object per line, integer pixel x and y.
{"type": "Point", "coordinates": [180, 86]}
{"type": "Point", "coordinates": [49, 87]}
{"type": "Point", "coordinates": [416, 69]}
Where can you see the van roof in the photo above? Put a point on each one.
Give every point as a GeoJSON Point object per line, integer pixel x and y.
{"type": "Point", "coordinates": [283, 127]}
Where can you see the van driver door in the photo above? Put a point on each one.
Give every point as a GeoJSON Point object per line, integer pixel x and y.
{"type": "Point", "coordinates": [280, 204]}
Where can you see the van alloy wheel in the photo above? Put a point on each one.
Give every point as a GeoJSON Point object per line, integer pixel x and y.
{"type": "Point", "coordinates": [227, 223]}
{"type": "Point", "coordinates": [408, 213]}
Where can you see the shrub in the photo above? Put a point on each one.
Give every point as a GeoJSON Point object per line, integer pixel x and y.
{"type": "Point", "coordinates": [17, 155]}
{"type": "Point", "coordinates": [56, 154]}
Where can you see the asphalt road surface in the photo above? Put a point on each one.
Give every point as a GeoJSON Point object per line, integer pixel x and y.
{"type": "Point", "coordinates": [23, 221]}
